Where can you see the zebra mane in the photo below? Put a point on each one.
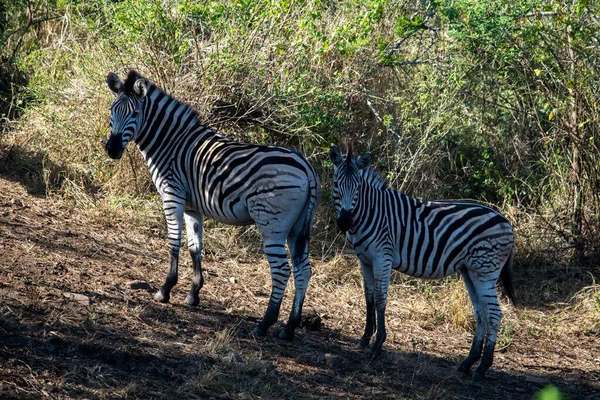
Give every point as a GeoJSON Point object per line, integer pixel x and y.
{"type": "Point", "coordinates": [372, 177]}
{"type": "Point", "coordinates": [133, 76]}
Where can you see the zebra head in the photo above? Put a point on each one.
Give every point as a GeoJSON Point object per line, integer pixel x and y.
{"type": "Point", "coordinates": [126, 115]}
{"type": "Point", "coordinates": [346, 183]}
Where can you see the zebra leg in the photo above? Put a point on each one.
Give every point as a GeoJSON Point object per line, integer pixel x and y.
{"type": "Point", "coordinates": [369, 288]}
{"type": "Point", "coordinates": [298, 245]}
{"type": "Point", "coordinates": [489, 297]}
{"type": "Point", "coordinates": [381, 272]}
{"type": "Point", "coordinates": [481, 325]}
{"type": "Point", "coordinates": [193, 225]}
{"type": "Point", "coordinates": [174, 215]}
{"type": "Point", "coordinates": [280, 273]}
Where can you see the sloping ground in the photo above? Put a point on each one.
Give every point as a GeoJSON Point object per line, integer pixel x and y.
{"type": "Point", "coordinates": [71, 326]}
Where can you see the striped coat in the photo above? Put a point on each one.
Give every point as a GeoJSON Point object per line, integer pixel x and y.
{"type": "Point", "coordinates": [430, 239]}
{"type": "Point", "coordinates": [199, 174]}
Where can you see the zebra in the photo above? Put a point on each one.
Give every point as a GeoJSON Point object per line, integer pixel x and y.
{"type": "Point", "coordinates": [430, 239]}
{"type": "Point", "coordinates": [199, 174]}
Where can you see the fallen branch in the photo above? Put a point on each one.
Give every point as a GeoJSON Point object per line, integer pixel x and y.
{"type": "Point", "coordinates": [378, 116]}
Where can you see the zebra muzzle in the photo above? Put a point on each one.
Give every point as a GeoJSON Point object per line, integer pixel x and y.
{"type": "Point", "coordinates": [114, 146]}
{"type": "Point", "coordinates": [344, 221]}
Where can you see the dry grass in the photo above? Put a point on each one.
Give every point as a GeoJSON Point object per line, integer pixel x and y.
{"type": "Point", "coordinates": [125, 345]}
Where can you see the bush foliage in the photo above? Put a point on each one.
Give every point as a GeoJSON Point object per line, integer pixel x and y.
{"type": "Point", "coordinates": [489, 100]}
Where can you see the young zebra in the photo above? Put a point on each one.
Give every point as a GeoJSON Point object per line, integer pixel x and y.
{"type": "Point", "coordinates": [201, 174]}
{"type": "Point", "coordinates": [390, 230]}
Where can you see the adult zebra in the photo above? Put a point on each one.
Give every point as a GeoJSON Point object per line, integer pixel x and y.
{"type": "Point", "coordinates": [202, 174]}
{"type": "Point", "coordinates": [431, 239]}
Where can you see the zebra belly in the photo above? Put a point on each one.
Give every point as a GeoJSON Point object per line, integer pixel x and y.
{"type": "Point", "coordinates": [279, 208]}
{"type": "Point", "coordinates": [232, 221]}
{"type": "Point", "coordinates": [412, 264]}
{"type": "Point", "coordinates": [372, 256]}
{"type": "Point", "coordinates": [267, 189]}
{"type": "Point", "coordinates": [232, 213]}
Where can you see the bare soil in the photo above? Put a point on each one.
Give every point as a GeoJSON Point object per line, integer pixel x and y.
{"type": "Point", "coordinates": [71, 326]}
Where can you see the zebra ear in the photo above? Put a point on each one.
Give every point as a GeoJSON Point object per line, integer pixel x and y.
{"type": "Point", "coordinates": [335, 155]}
{"type": "Point", "coordinates": [139, 88]}
{"type": "Point", "coordinates": [364, 161]}
{"type": "Point", "coordinates": [114, 82]}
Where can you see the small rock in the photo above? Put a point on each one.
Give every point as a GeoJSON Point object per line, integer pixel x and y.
{"type": "Point", "coordinates": [335, 362]}
{"type": "Point", "coordinates": [537, 380]}
{"type": "Point", "coordinates": [330, 359]}
{"type": "Point", "coordinates": [232, 280]}
{"type": "Point", "coordinates": [267, 367]}
{"type": "Point", "coordinates": [54, 338]}
{"type": "Point", "coordinates": [8, 322]}
{"type": "Point", "coordinates": [81, 236]}
{"type": "Point", "coordinates": [80, 298]}
{"type": "Point", "coordinates": [139, 285]}
{"type": "Point", "coordinates": [313, 358]}
{"type": "Point", "coordinates": [311, 321]}
{"type": "Point", "coordinates": [17, 202]}
{"type": "Point", "coordinates": [233, 357]}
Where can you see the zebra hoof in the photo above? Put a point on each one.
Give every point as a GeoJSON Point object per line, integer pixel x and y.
{"type": "Point", "coordinates": [375, 352]}
{"type": "Point", "coordinates": [364, 342]}
{"type": "Point", "coordinates": [192, 300]}
{"type": "Point", "coordinates": [464, 368]}
{"type": "Point", "coordinates": [286, 335]}
{"type": "Point", "coordinates": [478, 375]}
{"type": "Point", "coordinates": [259, 332]}
{"type": "Point", "coordinates": [159, 296]}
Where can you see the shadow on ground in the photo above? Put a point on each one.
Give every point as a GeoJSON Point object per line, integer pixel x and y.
{"type": "Point", "coordinates": [94, 359]}
{"type": "Point", "coordinates": [36, 172]}
{"type": "Point", "coordinates": [541, 287]}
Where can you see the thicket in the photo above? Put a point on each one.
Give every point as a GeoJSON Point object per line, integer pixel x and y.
{"type": "Point", "coordinates": [482, 99]}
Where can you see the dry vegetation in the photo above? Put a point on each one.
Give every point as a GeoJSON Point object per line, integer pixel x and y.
{"type": "Point", "coordinates": [454, 101]}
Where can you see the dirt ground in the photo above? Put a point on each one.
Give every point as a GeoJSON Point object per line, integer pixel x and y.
{"type": "Point", "coordinates": [72, 325]}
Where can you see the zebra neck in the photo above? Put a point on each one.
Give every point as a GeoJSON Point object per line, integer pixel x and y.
{"type": "Point", "coordinates": [168, 125]}
{"type": "Point", "coordinates": [371, 199]}
{"type": "Point", "coordinates": [372, 177]}
{"type": "Point", "coordinates": [375, 205]}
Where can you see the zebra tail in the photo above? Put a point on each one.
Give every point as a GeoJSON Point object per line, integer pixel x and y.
{"type": "Point", "coordinates": [506, 278]}
{"type": "Point", "coordinates": [306, 216]}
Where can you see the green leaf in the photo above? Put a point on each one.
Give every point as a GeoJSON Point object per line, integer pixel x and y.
{"type": "Point", "coordinates": [583, 123]}
{"type": "Point", "coordinates": [549, 393]}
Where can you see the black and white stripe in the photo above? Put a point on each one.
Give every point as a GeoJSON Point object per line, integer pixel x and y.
{"type": "Point", "coordinates": [202, 174]}
{"type": "Point", "coordinates": [430, 239]}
